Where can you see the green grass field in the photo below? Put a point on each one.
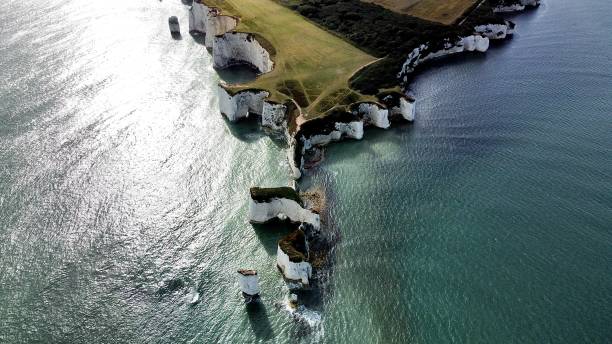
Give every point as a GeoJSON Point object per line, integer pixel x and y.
{"type": "Point", "coordinates": [312, 66]}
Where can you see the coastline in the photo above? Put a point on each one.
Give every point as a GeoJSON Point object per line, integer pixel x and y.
{"type": "Point", "coordinates": [308, 137]}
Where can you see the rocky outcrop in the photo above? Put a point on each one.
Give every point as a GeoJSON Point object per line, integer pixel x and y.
{"type": "Point", "coordinates": [249, 283]}
{"type": "Point", "coordinates": [374, 114]}
{"type": "Point", "coordinates": [210, 22]}
{"type": "Point", "coordinates": [496, 31]}
{"type": "Point", "coordinates": [240, 48]}
{"type": "Point", "coordinates": [320, 132]}
{"type": "Point", "coordinates": [406, 109]}
{"type": "Point", "coordinates": [425, 53]}
{"type": "Point", "coordinates": [247, 103]}
{"type": "Point", "coordinates": [292, 257]}
{"type": "Point", "coordinates": [242, 103]}
{"type": "Point", "coordinates": [274, 116]}
{"type": "Point", "coordinates": [505, 6]}
{"type": "Point", "coordinates": [267, 204]}
{"type": "Point", "coordinates": [509, 8]}
{"type": "Point", "coordinates": [340, 125]}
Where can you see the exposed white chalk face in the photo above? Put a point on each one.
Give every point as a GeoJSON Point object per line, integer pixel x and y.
{"type": "Point", "coordinates": [406, 109]}
{"type": "Point", "coordinates": [241, 104]}
{"type": "Point", "coordinates": [274, 116]}
{"type": "Point", "coordinates": [282, 208]}
{"type": "Point", "coordinates": [235, 48]}
{"type": "Point", "coordinates": [209, 21]}
{"type": "Point", "coordinates": [509, 8]}
{"type": "Point", "coordinates": [493, 31]}
{"type": "Point", "coordinates": [352, 130]}
{"type": "Point", "coordinates": [375, 115]}
{"type": "Point", "coordinates": [469, 43]}
{"type": "Point", "coordinates": [482, 43]}
{"type": "Point", "coordinates": [197, 17]}
{"type": "Point", "coordinates": [295, 271]}
{"type": "Point", "coordinates": [249, 284]}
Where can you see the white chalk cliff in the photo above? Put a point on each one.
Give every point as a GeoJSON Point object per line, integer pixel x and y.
{"type": "Point", "coordinates": [249, 282]}
{"type": "Point", "coordinates": [242, 104]}
{"type": "Point", "coordinates": [422, 53]}
{"type": "Point", "coordinates": [273, 116]}
{"type": "Point", "coordinates": [352, 130]}
{"type": "Point", "coordinates": [240, 48]}
{"type": "Point", "coordinates": [296, 271]}
{"type": "Point", "coordinates": [209, 21]}
{"type": "Point", "coordinates": [375, 114]}
{"type": "Point", "coordinates": [282, 208]}
{"type": "Point", "coordinates": [230, 48]}
{"type": "Point", "coordinates": [406, 109]}
{"type": "Point", "coordinates": [515, 6]}
{"type": "Point", "coordinates": [495, 31]}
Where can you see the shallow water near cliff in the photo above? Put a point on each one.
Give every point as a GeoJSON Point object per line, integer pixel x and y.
{"type": "Point", "coordinates": [123, 191]}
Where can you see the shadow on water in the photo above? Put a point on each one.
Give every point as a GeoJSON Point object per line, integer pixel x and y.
{"type": "Point", "coordinates": [187, 2]}
{"type": "Point", "coordinates": [237, 74]}
{"type": "Point", "coordinates": [247, 130]}
{"type": "Point", "coordinates": [198, 37]}
{"type": "Point", "coordinates": [259, 320]}
{"type": "Point", "coordinates": [270, 233]}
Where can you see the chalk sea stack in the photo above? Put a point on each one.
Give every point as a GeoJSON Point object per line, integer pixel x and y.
{"type": "Point", "coordinates": [249, 284]}
{"type": "Point", "coordinates": [280, 204]}
{"type": "Point", "coordinates": [175, 28]}
{"type": "Point", "coordinates": [292, 257]}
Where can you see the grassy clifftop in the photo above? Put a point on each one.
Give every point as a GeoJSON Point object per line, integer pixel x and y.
{"type": "Point", "coordinates": [311, 65]}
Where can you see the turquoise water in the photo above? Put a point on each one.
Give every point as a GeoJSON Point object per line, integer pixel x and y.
{"type": "Point", "coordinates": [490, 219]}
{"type": "Point", "coordinates": [123, 191]}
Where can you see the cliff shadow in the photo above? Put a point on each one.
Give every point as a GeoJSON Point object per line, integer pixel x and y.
{"type": "Point", "coordinates": [270, 233]}
{"type": "Point", "coordinates": [246, 130]}
{"type": "Point", "coordinates": [249, 130]}
{"type": "Point", "coordinates": [238, 74]}
{"type": "Point", "coordinates": [260, 321]}
{"type": "Point", "coordinates": [197, 37]}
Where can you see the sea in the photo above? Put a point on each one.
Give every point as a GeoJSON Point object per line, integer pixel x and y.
{"type": "Point", "coordinates": [124, 192]}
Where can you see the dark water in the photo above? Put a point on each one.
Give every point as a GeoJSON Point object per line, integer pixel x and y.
{"type": "Point", "coordinates": [123, 191]}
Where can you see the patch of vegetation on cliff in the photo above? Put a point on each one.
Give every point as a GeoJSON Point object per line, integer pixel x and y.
{"type": "Point", "coordinates": [294, 246]}
{"type": "Point", "coordinates": [267, 194]}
